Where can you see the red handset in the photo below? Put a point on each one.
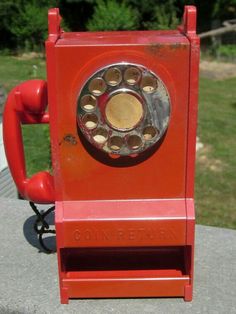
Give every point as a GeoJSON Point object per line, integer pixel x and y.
{"type": "Point", "coordinates": [26, 104]}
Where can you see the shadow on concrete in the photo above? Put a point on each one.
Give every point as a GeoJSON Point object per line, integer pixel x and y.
{"type": "Point", "coordinates": [32, 237]}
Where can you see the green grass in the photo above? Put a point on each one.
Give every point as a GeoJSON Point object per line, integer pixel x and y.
{"type": "Point", "coordinates": [216, 165]}
{"type": "Point", "coordinates": [13, 71]}
{"type": "Point", "coordinates": [216, 162]}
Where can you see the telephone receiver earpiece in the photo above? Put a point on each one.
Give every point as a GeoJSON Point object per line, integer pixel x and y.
{"type": "Point", "coordinates": [26, 104]}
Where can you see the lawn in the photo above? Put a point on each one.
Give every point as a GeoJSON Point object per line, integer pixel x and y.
{"type": "Point", "coordinates": [14, 70]}
{"type": "Point", "coordinates": [216, 161]}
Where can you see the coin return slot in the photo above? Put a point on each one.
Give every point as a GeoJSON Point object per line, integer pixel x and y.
{"type": "Point", "coordinates": [97, 86]}
{"type": "Point", "coordinates": [90, 121]}
{"type": "Point", "coordinates": [164, 261]}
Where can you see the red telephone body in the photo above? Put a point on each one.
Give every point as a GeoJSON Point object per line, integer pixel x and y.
{"type": "Point", "coordinates": [124, 224]}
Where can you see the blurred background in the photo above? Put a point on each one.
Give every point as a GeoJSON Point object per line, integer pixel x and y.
{"type": "Point", "coordinates": [23, 30]}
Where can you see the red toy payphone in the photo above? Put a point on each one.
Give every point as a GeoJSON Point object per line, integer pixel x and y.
{"type": "Point", "coordinates": [123, 117]}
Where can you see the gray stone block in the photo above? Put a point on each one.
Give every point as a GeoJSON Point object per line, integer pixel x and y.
{"type": "Point", "coordinates": [29, 281]}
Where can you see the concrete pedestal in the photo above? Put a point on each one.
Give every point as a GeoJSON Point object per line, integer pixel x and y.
{"type": "Point", "coordinates": [29, 282]}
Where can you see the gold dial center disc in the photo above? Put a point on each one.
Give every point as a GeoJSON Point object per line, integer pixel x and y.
{"type": "Point", "coordinates": [123, 111]}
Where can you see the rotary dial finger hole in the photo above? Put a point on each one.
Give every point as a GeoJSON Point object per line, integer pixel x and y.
{"type": "Point", "coordinates": [113, 76]}
{"type": "Point", "coordinates": [134, 142]}
{"type": "Point", "coordinates": [90, 121]}
{"type": "Point", "coordinates": [88, 102]}
{"type": "Point", "coordinates": [149, 84]}
{"type": "Point", "coordinates": [132, 75]}
{"type": "Point", "coordinates": [116, 143]}
{"type": "Point", "coordinates": [100, 135]}
{"type": "Point", "coordinates": [149, 133]}
{"type": "Point", "coordinates": [97, 86]}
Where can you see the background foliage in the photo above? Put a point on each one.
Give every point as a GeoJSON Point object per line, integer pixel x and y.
{"type": "Point", "coordinates": [23, 23]}
{"type": "Point", "coordinates": [111, 15]}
